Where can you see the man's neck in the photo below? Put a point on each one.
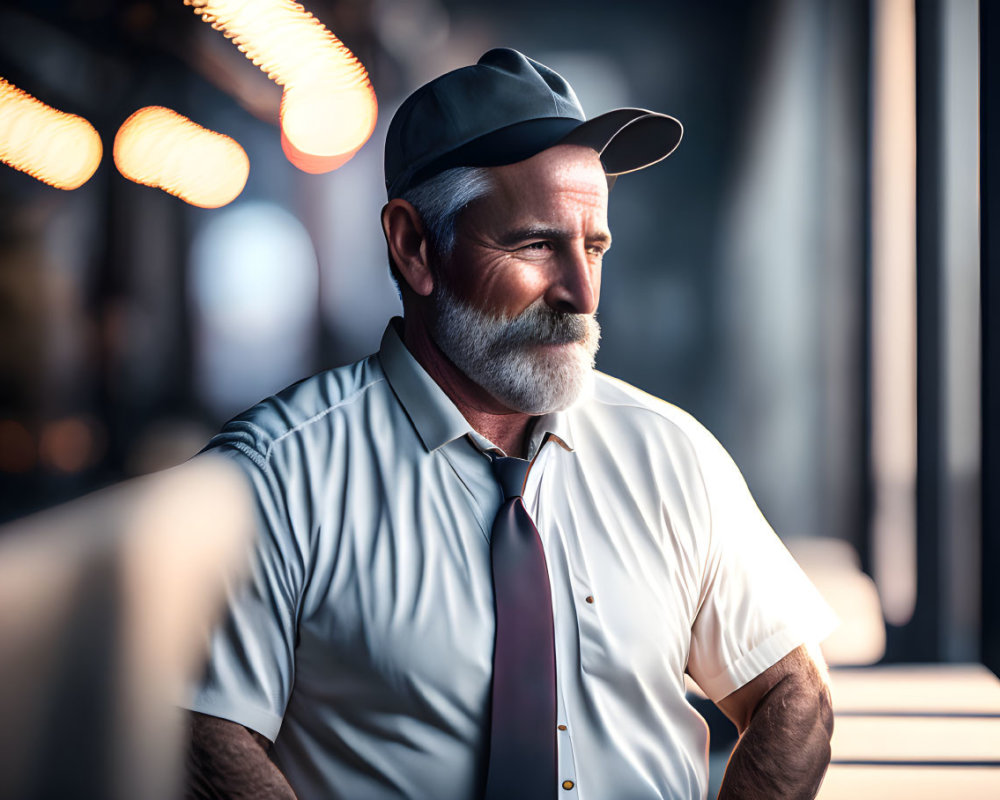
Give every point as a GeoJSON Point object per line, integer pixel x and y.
{"type": "Point", "coordinates": [508, 430]}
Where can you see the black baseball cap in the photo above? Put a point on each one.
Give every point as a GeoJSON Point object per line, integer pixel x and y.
{"type": "Point", "coordinates": [504, 109]}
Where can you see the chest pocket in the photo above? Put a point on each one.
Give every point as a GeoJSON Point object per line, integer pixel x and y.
{"type": "Point", "coordinates": [632, 598]}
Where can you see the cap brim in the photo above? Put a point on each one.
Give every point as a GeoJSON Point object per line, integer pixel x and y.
{"type": "Point", "coordinates": [628, 139]}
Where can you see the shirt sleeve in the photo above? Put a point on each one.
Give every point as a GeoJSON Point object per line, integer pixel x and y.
{"type": "Point", "coordinates": [756, 604]}
{"type": "Point", "coordinates": [251, 662]}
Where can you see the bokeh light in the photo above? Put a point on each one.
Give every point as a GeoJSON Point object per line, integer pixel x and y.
{"type": "Point", "coordinates": [252, 262]}
{"type": "Point", "coordinates": [70, 444]}
{"type": "Point", "coordinates": [320, 132]}
{"type": "Point", "coordinates": [60, 149]}
{"type": "Point", "coordinates": [159, 147]}
{"type": "Point", "coordinates": [328, 110]}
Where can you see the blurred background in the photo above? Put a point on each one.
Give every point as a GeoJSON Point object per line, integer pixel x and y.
{"type": "Point", "coordinates": [804, 274]}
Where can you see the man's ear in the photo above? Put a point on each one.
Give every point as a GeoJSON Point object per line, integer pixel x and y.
{"type": "Point", "coordinates": [407, 240]}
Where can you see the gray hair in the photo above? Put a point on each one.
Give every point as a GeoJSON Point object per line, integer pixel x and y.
{"type": "Point", "coordinates": [439, 201]}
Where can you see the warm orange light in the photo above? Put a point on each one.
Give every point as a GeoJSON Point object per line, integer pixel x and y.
{"type": "Point", "coordinates": [60, 149]}
{"type": "Point", "coordinates": [159, 147]}
{"type": "Point", "coordinates": [328, 110]}
{"type": "Point", "coordinates": [320, 131]}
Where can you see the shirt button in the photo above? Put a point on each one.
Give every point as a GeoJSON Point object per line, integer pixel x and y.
{"type": "Point", "coordinates": [590, 598]}
{"type": "Point", "coordinates": [567, 785]}
{"type": "Point", "coordinates": [561, 727]}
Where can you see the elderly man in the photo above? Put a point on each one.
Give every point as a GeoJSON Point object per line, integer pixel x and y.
{"type": "Point", "coordinates": [483, 569]}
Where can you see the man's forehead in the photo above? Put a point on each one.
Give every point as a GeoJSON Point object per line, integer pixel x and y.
{"type": "Point", "coordinates": [565, 170]}
{"type": "Point", "coordinates": [552, 210]}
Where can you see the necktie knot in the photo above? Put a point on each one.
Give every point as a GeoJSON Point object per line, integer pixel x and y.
{"type": "Point", "coordinates": [511, 473]}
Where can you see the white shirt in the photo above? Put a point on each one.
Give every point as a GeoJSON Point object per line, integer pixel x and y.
{"type": "Point", "coordinates": [363, 644]}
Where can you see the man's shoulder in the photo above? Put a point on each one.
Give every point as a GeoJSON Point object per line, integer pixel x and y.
{"type": "Point", "coordinates": [625, 414]}
{"type": "Point", "coordinates": [614, 397]}
{"type": "Point", "coordinates": [300, 407]}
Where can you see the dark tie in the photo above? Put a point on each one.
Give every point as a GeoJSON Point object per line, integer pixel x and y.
{"type": "Point", "coordinates": [523, 731]}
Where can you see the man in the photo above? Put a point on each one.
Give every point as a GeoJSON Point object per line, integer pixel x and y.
{"type": "Point", "coordinates": [380, 650]}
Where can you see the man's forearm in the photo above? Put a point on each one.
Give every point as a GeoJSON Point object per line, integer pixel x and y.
{"type": "Point", "coordinates": [228, 762]}
{"type": "Point", "coordinates": [785, 749]}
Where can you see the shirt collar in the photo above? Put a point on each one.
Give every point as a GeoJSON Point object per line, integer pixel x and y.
{"type": "Point", "coordinates": [555, 426]}
{"type": "Point", "coordinates": [435, 417]}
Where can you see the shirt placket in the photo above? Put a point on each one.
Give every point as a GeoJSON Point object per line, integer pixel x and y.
{"type": "Point", "coordinates": [564, 745]}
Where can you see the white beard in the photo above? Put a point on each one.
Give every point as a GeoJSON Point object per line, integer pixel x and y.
{"type": "Point", "coordinates": [503, 356]}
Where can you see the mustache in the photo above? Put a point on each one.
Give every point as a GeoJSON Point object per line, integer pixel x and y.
{"type": "Point", "coordinates": [540, 324]}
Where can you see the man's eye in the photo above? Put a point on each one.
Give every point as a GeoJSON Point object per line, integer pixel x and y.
{"type": "Point", "coordinates": [595, 250]}
{"type": "Point", "coordinates": [537, 246]}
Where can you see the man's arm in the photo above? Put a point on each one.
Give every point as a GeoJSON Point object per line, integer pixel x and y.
{"type": "Point", "coordinates": [229, 762]}
{"type": "Point", "coordinates": [785, 720]}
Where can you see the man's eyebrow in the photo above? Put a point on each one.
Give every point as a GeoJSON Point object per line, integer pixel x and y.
{"type": "Point", "coordinates": [519, 235]}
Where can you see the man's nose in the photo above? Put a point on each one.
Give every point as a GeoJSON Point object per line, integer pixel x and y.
{"type": "Point", "coordinates": [576, 286]}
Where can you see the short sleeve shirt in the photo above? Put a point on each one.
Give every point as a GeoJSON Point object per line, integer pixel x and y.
{"type": "Point", "coordinates": [362, 644]}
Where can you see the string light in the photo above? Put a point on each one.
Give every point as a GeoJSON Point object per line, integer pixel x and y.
{"type": "Point", "coordinates": [328, 109]}
{"type": "Point", "coordinates": [159, 147]}
{"type": "Point", "coordinates": [60, 149]}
